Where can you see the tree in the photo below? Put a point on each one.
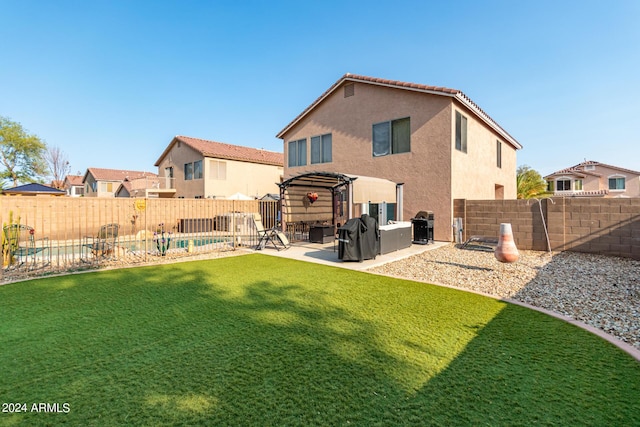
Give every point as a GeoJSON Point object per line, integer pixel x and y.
{"type": "Point", "coordinates": [530, 183]}
{"type": "Point", "coordinates": [21, 154]}
{"type": "Point", "coordinates": [59, 166]}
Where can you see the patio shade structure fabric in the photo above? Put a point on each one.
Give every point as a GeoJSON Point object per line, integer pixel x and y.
{"type": "Point", "coordinates": [361, 189]}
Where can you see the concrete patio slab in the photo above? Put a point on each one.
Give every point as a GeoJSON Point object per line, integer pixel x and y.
{"type": "Point", "coordinates": [327, 254]}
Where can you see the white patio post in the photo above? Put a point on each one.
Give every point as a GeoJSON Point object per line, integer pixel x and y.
{"type": "Point", "coordinates": [399, 201]}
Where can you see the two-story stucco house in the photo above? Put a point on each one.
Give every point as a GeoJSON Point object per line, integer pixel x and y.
{"type": "Point", "coordinates": [209, 169]}
{"type": "Point", "coordinates": [435, 140]}
{"type": "Point", "coordinates": [594, 179]}
{"type": "Point", "coordinates": [100, 182]}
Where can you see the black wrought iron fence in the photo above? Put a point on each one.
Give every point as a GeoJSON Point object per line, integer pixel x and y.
{"type": "Point", "coordinates": [42, 236]}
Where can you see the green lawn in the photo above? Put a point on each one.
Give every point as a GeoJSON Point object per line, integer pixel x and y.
{"type": "Point", "coordinates": [259, 340]}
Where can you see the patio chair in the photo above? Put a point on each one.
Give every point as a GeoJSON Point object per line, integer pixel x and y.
{"type": "Point", "coordinates": [20, 245]}
{"type": "Point", "coordinates": [104, 243]}
{"type": "Point", "coordinates": [266, 235]}
{"type": "Point", "coordinates": [481, 243]}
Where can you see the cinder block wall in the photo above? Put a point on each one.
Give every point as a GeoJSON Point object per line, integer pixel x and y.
{"type": "Point", "coordinates": [592, 225]}
{"type": "Point", "coordinates": [596, 225]}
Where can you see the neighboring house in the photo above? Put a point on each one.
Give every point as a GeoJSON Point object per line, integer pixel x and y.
{"type": "Point", "coordinates": [150, 186]}
{"type": "Point", "coordinates": [33, 189]}
{"type": "Point", "coordinates": [73, 185]}
{"type": "Point", "coordinates": [594, 179]}
{"type": "Point", "coordinates": [208, 169]}
{"type": "Point", "coordinates": [435, 140]}
{"type": "Point", "coordinates": [105, 182]}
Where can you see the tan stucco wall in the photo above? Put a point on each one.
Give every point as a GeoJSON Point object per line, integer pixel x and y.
{"type": "Point", "coordinates": [632, 181]}
{"type": "Point", "coordinates": [99, 193]}
{"type": "Point", "coordinates": [251, 179]}
{"type": "Point", "coordinates": [475, 174]}
{"type": "Point", "coordinates": [248, 178]}
{"type": "Point", "coordinates": [426, 171]}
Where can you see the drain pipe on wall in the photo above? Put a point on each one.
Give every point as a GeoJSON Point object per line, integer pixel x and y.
{"type": "Point", "coordinates": [544, 223]}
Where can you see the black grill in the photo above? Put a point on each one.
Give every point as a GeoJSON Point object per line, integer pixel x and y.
{"type": "Point", "coordinates": [423, 227]}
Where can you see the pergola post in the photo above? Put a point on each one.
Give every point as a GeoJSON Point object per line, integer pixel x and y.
{"type": "Point", "coordinates": [350, 200]}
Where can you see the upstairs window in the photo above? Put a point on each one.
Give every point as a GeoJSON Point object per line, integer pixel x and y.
{"type": "Point", "coordinates": [392, 137]}
{"type": "Point", "coordinates": [217, 170]}
{"type": "Point", "coordinates": [106, 187]}
{"type": "Point", "coordinates": [577, 185]}
{"type": "Point", "coordinates": [321, 149]}
{"type": "Point", "coordinates": [188, 171]}
{"type": "Point", "coordinates": [461, 132]}
{"type": "Point", "coordinates": [197, 169]}
{"type": "Point", "coordinates": [563, 185]}
{"type": "Point", "coordinates": [617, 183]}
{"type": "Point", "coordinates": [298, 152]}
{"type": "Point", "coordinates": [499, 154]}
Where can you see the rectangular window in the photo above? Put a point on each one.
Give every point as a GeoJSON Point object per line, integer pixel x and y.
{"type": "Point", "coordinates": [577, 185]}
{"type": "Point", "coordinates": [197, 169]}
{"type": "Point", "coordinates": [499, 154]}
{"type": "Point", "coordinates": [461, 132]}
{"type": "Point", "coordinates": [550, 186]}
{"type": "Point", "coordinates": [218, 170]}
{"type": "Point", "coordinates": [106, 187]}
{"type": "Point", "coordinates": [298, 152]}
{"type": "Point", "coordinates": [616, 184]}
{"type": "Point", "coordinates": [321, 149]}
{"type": "Point", "coordinates": [392, 137]}
{"type": "Point", "coordinates": [188, 171]}
{"type": "Point", "coordinates": [563, 185]}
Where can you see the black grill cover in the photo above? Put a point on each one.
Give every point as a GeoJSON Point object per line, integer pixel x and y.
{"type": "Point", "coordinates": [370, 238]}
{"type": "Point", "coordinates": [359, 239]}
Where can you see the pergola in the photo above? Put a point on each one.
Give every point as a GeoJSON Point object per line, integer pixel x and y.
{"type": "Point", "coordinates": [360, 189]}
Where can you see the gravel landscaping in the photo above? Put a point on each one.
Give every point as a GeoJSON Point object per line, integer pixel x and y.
{"type": "Point", "coordinates": [601, 291]}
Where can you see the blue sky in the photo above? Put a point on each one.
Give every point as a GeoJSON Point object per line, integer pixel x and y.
{"type": "Point", "coordinates": [111, 82]}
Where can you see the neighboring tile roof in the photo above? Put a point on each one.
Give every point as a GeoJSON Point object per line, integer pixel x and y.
{"type": "Point", "coordinates": [220, 150]}
{"type": "Point", "coordinates": [100, 174]}
{"type": "Point", "coordinates": [56, 184]}
{"type": "Point", "coordinates": [126, 185]}
{"type": "Point", "coordinates": [435, 90]}
{"type": "Point", "coordinates": [74, 179]}
{"type": "Point", "coordinates": [593, 193]}
{"type": "Point", "coordinates": [579, 169]}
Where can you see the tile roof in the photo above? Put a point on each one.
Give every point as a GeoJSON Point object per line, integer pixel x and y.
{"type": "Point", "coordinates": [221, 150]}
{"type": "Point", "coordinates": [435, 90]}
{"type": "Point", "coordinates": [579, 169]}
{"type": "Point", "coordinates": [74, 179]}
{"type": "Point", "coordinates": [115, 174]}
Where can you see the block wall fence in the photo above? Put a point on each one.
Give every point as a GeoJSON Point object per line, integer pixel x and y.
{"type": "Point", "coordinates": [592, 225]}
{"type": "Point", "coordinates": [75, 217]}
